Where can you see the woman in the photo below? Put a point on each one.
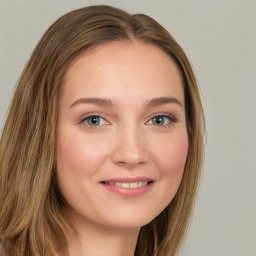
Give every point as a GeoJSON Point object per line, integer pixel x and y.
{"type": "Point", "coordinates": [102, 147]}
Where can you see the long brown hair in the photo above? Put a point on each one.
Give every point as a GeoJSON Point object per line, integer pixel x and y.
{"type": "Point", "coordinates": [32, 221]}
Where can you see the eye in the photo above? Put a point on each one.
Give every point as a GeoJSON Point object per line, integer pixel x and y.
{"type": "Point", "coordinates": [161, 120]}
{"type": "Point", "coordinates": [94, 120]}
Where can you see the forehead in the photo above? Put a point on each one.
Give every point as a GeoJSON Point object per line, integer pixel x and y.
{"type": "Point", "coordinates": [136, 67]}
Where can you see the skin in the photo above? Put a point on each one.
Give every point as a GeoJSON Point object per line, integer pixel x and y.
{"type": "Point", "coordinates": [127, 142]}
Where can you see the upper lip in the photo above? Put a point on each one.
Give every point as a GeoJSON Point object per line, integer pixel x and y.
{"type": "Point", "coordinates": [129, 179]}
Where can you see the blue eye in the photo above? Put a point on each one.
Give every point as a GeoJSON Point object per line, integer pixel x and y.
{"type": "Point", "coordinates": [161, 120]}
{"type": "Point", "coordinates": [94, 120]}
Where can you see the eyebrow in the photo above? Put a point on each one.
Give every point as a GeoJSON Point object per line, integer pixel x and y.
{"type": "Point", "coordinates": [96, 101]}
{"type": "Point", "coordinates": [162, 101]}
{"type": "Point", "coordinates": [108, 103]}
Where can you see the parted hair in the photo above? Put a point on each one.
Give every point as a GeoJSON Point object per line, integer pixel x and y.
{"type": "Point", "coordinates": [32, 210]}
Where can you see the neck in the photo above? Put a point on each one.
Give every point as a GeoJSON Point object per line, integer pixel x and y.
{"type": "Point", "coordinates": [97, 240]}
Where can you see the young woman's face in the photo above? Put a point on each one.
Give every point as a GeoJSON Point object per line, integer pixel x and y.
{"type": "Point", "coordinates": [122, 140]}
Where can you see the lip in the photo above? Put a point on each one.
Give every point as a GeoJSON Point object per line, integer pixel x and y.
{"type": "Point", "coordinates": [130, 179]}
{"type": "Point", "coordinates": [128, 192]}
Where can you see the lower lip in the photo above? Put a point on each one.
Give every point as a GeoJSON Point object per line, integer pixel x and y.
{"type": "Point", "coordinates": [128, 192]}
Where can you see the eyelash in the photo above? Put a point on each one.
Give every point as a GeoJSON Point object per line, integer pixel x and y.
{"type": "Point", "coordinates": [86, 118]}
{"type": "Point", "coordinates": [170, 117]}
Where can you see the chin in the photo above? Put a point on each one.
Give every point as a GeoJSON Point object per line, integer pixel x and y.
{"type": "Point", "coordinates": [128, 220]}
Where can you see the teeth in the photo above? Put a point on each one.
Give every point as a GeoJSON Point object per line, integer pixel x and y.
{"type": "Point", "coordinates": [135, 184]}
{"type": "Point", "coordinates": [127, 185]}
{"type": "Point", "coordinates": [118, 184]}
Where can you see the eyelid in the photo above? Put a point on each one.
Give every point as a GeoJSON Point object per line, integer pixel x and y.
{"type": "Point", "coordinates": [170, 116]}
{"type": "Point", "coordinates": [99, 114]}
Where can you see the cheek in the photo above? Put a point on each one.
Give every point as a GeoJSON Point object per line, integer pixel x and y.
{"type": "Point", "coordinates": [176, 154]}
{"type": "Point", "coordinates": [70, 165]}
{"type": "Point", "coordinates": [79, 155]}
{"type": "Point", "coordinates": [172, 159]}
{"type": "Point", "coordinates": [78, 160]}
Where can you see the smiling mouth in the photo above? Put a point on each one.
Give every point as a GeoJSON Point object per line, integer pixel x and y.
{"type": "Point", "coordinates": [138, 184]}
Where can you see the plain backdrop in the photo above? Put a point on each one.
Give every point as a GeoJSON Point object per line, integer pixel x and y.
{"type": "Point", "coordinates": [219, 38]}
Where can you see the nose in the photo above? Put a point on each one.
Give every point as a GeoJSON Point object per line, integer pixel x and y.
{"type": "Point", "coordinates": [130, 148]}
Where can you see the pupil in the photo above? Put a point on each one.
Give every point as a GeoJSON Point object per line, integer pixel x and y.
{"type": "Point", "coordinates": [159, 120]}
{"type": "Point", "coordinates": [94, 120]}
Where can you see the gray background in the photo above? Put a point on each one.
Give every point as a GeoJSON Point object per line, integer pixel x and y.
{"type": "Point", "coordinates": [219, 37]}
